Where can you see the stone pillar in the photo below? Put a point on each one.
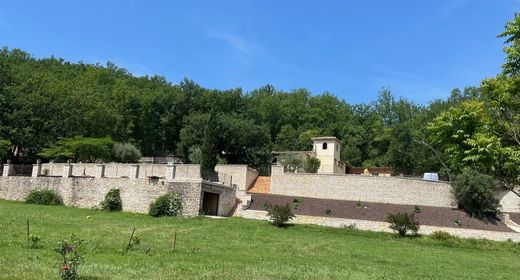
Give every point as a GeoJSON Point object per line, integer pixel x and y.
{"type": "Point", "coordinates": [8, 169]}
{"type": "Point", "coordinates": [67, 170]}
{"type": "Point", "coordinates": [100, 171]}
{"type": "Point", "coordinates": [37, 169]}
{"type": "Point", "coordinates": [134, 171]}
{"type": "Point", "coordinates": [170, 171]}
{"type": "Point", "coordinates": [276, 169]}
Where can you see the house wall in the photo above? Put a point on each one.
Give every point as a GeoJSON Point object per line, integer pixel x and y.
{"type": "Point", "coordinates": [329, 157]}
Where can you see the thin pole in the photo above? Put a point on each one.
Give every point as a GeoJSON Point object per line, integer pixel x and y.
{"type": "Point", "coordinates": [129, 241]}
{"type": "Point", "coordinates": [27, 230]}
{"type": "Point", "coordinates": [174, 239]}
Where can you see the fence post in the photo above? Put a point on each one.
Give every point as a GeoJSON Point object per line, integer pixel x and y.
{"type": "Point", "coordinates": [67, 170]}
{"type": "Point", "coordinates": [37, 169]}
{"type": "Point", "coordinates": [100, 171]}
{"type": "Point", "coordinates": [170, 171]}
{"type": "Point", "coordinates": [8, 169]}
{"type": "Point", "coordinates": [134, 171]}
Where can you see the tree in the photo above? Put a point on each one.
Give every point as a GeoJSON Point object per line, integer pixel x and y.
{"type": "Point", "coordinates": [80, 149]}
{"type": "Point", "coordinates": [5, 145]}
{"type": "Point", "coordinates": [125, 152]}
{"type": "Point", "coordinates": [292, 161]}
{"type": "Point", "coordinates": [311, 165]}
{"type": "Point", "coordinates": [475, 194]}
{"type": "Point", "coordinates": [210, 143]}
{"type": "Point", "coordinates": [195, 154]}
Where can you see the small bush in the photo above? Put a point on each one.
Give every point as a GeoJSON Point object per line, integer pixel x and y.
{"type": "Point", "coordinates": [402, 223]}
{"type": "Point", "coordinates": [311, 165]}
{"type": "Point", "coordinates": [69, 251]}
{"type": "Point", "coordinates": [134, 242]}
{"type": "Point", "coordinates": [125, 152]}
{"type": "Point", "coordinates": [417, 209]}
{"type": "Point", "coordinates": [167, 205]}
{"type": "Point", "coordinates": [112, 201]}
{"type": "Point", "coordinates": [280, 214]}
{"type": "Point", "coordinates": [475, 194]}
{"type": "Point", "coordinates": [34, 240]}
{"type": "Point", "coordinates": [440, 235]}
{"type": "Point", "coordinates": [45, 197]}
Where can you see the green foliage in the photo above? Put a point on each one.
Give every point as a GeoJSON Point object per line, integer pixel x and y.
{"type": "Point", "coordinates": [291, 161]}
{"type": "Point", "coordinates": [402, 223]}
{"type": "Point", "coordinates": [80, 149]}
{"type": "Point", "coordinates": [72, 259]}
{"type": "Point", "coordinates": [45, 197]}
{"type": "Point", "coordinates": [475, 194]}
{"type": "Point", "coordinates": [112, 201]}
{"type": "Point", "coordinates": [195, 154]}
{"type": "Point", "coordinates": [5, 145]}
{"type": "Point", "coordinates": [440, 235]}
{"type": "Point", "coordinates": [280, 214]}
{"type": "Point", "coordinates": [34, 240]}
{"type": "Point", "coordinates": [125, 152]}
{"type": "Point", "coordinates": [166, 205]}
{"type": "Point", "coordinates": [311, 165]}
{"type": "Point", "coordinates": [209, 149]}
{"type": "Point", "coordinates": [417, 209]}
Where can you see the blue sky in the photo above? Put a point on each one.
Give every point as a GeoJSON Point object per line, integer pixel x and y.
{"type": "Point", "coordinates": [419, 49]}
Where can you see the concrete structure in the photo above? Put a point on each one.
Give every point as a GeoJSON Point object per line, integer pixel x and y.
{"type": "Point", "coordinates": [327, 150]}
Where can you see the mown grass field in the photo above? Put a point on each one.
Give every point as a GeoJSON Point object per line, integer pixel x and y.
{"type": "Point", "coordinates": [236, 248]}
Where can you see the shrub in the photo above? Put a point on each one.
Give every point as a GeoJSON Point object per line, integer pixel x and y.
{"type": "Point", "coordinates": [112, 201]}
{"type": "Point", "coordinates": [417, 209]}
{"type": "Point", "coordinates": [45, 197]}
{"type": "Point", "coordinates": [167, 205]}
{"type": "Point", "coordinates": [280, 214]}
{"type": "Point", "coordinates": [311, 165]}
{"type": "Point", "coordinates": [475, 194]}
{"type": "Point", "coordinates": [195, 154]}
{"type": "Point", "coordinates": [402, 223]}
{"type": "Point", "coordinates": [69, 251]}
{"type": "Point", "coordinates": [134, 242]}
{"type": "Point", "coordinates": [125, 152]}
{"type": "Point", "coordinates": [34, 240]}
{"type": "Point", "coordinates": [440, 235]}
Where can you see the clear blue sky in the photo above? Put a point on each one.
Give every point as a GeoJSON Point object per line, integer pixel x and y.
{"type": "Point", "coordinates": [419, 49]}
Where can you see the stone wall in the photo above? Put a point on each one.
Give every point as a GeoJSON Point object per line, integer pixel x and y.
{"type": "Point", "coordinates": [227, 198]}
{"type": "Point", "coordinates": [242, 176]}
{"type": "Point", "coordinates": [364, 188]}
{"type": "Point", "coordinates": [136, 193]}
{"type": "Point", "coordinates": [117, 170]}
{"type": "Point", "coordinates": [510, 202]}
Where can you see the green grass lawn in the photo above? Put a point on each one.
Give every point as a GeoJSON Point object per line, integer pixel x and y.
{"type": "Point", "coordinates": [236, 248]}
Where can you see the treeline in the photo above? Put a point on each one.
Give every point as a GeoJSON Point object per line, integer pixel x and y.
{"type": "Point", "coordinates": [45, 100]}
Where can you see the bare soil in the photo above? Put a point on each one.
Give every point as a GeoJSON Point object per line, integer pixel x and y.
{"type": "Point", "coordinates": [370, 211]}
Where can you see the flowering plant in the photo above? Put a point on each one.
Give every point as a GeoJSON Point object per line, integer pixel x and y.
{"type": "Point", "coordinates": [71, 257]}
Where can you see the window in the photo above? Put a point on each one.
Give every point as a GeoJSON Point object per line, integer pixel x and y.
{"type": "Point", "coordinates": [324, 146]}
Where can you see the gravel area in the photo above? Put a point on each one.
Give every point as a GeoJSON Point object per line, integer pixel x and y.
{"type": "Point", "coordinates": [515, 217]}
{"type": "Point", "coordinates": [432, 216]}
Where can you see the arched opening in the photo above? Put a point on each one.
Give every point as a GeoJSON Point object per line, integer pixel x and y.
{"type": "Point", "coordinates": [324, 146]}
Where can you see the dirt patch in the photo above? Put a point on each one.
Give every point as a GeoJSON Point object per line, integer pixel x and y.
{"type": "Point", "coordinates": [370, 211]}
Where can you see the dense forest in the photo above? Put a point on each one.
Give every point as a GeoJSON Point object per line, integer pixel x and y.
{"type": "Point", "coordinates": [43, 100]}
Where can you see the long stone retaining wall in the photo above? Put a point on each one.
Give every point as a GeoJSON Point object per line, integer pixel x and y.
{"type": "Point", "coordinates": [364, 188]}
{"type": "Point", "coordinates": [136, 193]}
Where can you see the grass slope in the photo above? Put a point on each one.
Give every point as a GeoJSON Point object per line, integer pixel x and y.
{"type": "Point", "coordinates": [236, 249]}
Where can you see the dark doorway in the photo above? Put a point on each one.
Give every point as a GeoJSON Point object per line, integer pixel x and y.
{"type": "Point", "coordinates": [210, 204]}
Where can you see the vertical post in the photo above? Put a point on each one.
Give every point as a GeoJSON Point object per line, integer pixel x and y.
{"type": "Point", "coordinates": [100, 171]}
{"type": "Point", "coordinates": [129, 241]}
{"type": "Point", "coordinates": [134, 171]}
{"type": "Point", "coordinates": [67, 170]}
{"type": "Point", "coordinates": [174, 239]}
{"type": "Point", "coordinates": [170, 171]}
{"type": "Point", "coordinates": [37, 169]}
{"type": "Point", "coordinates": [8, 169]}
{"type": "Point", "coordinates": [28, 231]}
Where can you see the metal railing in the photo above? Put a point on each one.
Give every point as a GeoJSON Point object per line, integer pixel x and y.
{"type": "Point", "coordinates": [22, 169]}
